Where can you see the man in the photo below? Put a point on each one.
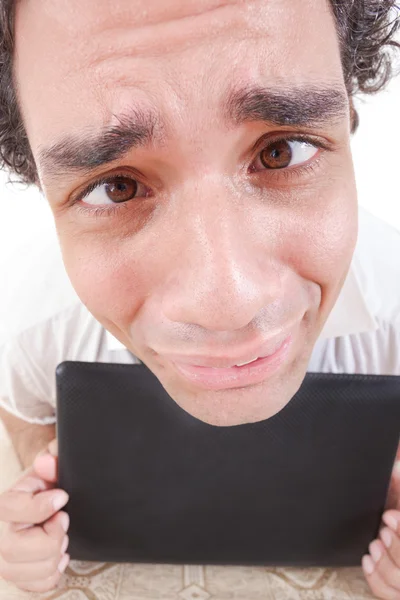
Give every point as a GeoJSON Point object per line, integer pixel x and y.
{"type": "Point", "coordinates": [196, 157]}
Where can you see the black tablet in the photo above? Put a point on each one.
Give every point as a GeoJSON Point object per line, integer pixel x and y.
{"type": "Point", "coordinates": [150, 483]}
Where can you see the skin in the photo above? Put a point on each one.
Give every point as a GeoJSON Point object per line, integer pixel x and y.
{"type": "Point", "coordinates": [217, 254]}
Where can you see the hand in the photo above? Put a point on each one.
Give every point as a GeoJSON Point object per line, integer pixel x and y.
{"type": "Point", "coordinates": [382, 565]}
{"type": "Point", "coordinates": [34, 540]}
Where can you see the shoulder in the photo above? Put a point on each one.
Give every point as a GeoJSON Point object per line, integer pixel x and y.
{"type": "Point", "coordinates": [70, 334]}
{"type": "Point", "coordinates": [28, 360]}
{"type": "Point", "coordinates": [32, 355]}
{"type": "Point", "coordinates": [369, 352]}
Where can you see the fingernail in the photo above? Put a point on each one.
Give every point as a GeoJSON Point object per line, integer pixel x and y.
{"type": "Point", "coordinates": [65, 544]}
{"type": "Point", "coordinates": [396, 468]}
{"type": "Point", "coordinates": [390, 521]}
{"type": "Point", "coordinates": [368, 564]}
{"type": "Point", "coordinates": [375, 552]}
{"type": "Point", "coordinates": [60, 499]}
{"type": "Point", "coordinates": [53, 448]}
{"type": "Point", "coordinates": [386, 537]}
{"type": "Point", "coordinates": [63, 563]}
{"type": "Point", "coordinates": [64, 520]}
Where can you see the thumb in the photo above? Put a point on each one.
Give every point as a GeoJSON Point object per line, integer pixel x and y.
{"type": "Point", "coordinates": [52, 448]}
{"type": "Point", "coordinates": [46, 466]}
{"type": "Point", "coordinates": [46, 462]}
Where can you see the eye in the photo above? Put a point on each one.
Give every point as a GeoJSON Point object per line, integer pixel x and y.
{"type": "Point", "coordinates": [113, 190]}
{"type": "Point", "coordinates": [281, 154]}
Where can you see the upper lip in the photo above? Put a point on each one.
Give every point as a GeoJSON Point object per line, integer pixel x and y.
{"type": "Point", "coordinates": [224, 361]}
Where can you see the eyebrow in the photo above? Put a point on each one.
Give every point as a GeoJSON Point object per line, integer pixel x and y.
{"type": "Point", "coordinates": [298, 107]}
{"type": "Point", "coordinates": [82, 153]}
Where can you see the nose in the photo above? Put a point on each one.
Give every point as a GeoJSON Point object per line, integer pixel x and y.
{"type": "Point", "coordinates": [224, 273]}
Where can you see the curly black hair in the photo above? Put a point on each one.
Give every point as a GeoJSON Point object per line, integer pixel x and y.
{"type": "Point", "coordinates": [366, 31]}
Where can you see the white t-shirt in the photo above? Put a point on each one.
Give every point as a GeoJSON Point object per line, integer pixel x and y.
{"type": "Point", "coordinates": [361, 335]}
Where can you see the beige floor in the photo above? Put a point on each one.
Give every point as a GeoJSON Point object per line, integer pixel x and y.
{"type": "Point", "coordinates": [101, 581]}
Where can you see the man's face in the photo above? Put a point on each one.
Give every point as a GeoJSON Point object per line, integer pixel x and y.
{"type": "Point", "coordinates": [219, 213]}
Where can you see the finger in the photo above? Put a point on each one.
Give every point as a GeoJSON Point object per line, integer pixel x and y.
{"type": "Point", "coordinates": [25, 507]}
{"type": "Point", "coordinates": [378, 586]}
{"type": "Point", "coordinates": [34, 544]}
{"type": "Point", "coordinates": [387, 569]}
{"type": "Point", "coordinates": [38, 571]}
{"type": "Point", "coordinates": [57, 525]}
{"type": "Point", "coordinates": [391, 518]}
{"type": "Point", "coordinates": [391, 541]}
{"type": "Point", "coordinates": [53, 527]}
{"type": "Point", "coordinates": [46, 466]}
{"type": "Point", "coordinates": [30, 482]}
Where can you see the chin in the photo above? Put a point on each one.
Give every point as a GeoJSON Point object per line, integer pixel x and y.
{"type": "Point", "coordinates": [238, 406]}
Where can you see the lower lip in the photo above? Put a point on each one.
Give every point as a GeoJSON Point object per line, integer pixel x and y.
{"type": "Point", "coordinates": [235, 377]}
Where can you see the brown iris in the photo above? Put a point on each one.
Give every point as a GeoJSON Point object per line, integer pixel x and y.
{"type": "Point", "coordinates": [121, 189]}
{"type": "Point", "coordinates": [277, 155]}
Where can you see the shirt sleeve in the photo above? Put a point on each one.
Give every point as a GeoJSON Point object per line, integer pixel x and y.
{"type": "Point", "coordinates": [370, 353]}
{"type": "Point", "coordinates": [28, 361]}
{"type": "Point", "coordinates": [23, 388]}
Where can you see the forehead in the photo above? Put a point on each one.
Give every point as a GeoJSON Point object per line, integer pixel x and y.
{"type": "Point", "coordinates": [78, 63]}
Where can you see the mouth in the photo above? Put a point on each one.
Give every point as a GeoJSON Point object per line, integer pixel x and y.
{"type": "Point", "coordinates": [238, 375]}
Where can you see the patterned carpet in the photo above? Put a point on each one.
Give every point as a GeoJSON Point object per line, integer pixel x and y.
{"type": "Point", "coordinates": [110, 581]}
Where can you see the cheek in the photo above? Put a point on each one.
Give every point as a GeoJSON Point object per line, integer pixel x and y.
{"type": "Point", "coordinates": [112, 286]}
{"type": "Point", "coordinates": [324, 236]}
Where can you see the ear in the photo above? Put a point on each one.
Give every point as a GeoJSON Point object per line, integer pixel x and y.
{"type": "Point", "coordinates": [354, 118]}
